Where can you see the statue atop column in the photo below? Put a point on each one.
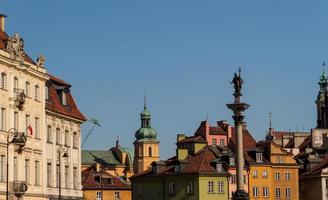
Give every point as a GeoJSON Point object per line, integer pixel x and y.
{"type": "Point", "coordinates": [15, 46]}
{"type": "Point", "coordinates": [237, 81]}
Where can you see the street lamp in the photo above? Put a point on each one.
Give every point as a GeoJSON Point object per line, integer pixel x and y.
{"type": "Point", "coordinates": [16, 138]}
{"type": "Point", "coordinates": [62, 152]}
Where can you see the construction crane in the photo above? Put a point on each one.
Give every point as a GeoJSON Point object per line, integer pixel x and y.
{"type": "Point", "coordinates": [95, 123]}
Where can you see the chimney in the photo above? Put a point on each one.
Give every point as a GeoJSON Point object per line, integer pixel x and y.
{"type": "Point", "coordinates": [2, 22]}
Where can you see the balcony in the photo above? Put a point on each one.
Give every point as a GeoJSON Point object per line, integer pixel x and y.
{"type": "Point", "coordinates": [19, 188]}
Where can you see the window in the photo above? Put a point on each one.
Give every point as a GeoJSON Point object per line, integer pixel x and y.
{"type": "Point", "coordinates": [219, 167]}
{"type": "Point", "coordinates": [139, 190]}
{"type": "Point", "coordinates": [75, 175]}
{"type": "Point", "coordinates": [27, 123]}
{"type": "Point", "coordinates": [280, 159]}
{"type": "Point", "coordinates": [66, 138]}
{"type": "Point", "coordinates": [27, 89]}
{"type": "Point", "coordinates": [66, 177]}
{"type": "Point", "coordinates": [57, 176]}
{"type": "Point", "coordinates": [15, 84]}
{"type": "Point", "coordinates": [265, 192]}
{"type": "Point", "coordinates": [222, 142]}
{"type": "Point", "coordinates": [177, 168]}
{"type": "Point", "coordinates": [171, 189]}
{"type": "Point", "coordinates": [255, 191]}
{"type": "Point", "coordinates": [57, 136]}
{"type": "Point", "coordinates": [27, 171]}
{"type": "Point", "coordinates": [277, 176]}
{"type": "Point", "coordinates": [37, 173]}
{"type": "Point", "coordinates": [3, 119]}
{"type": "Point", "coordinates": [15, 168]}
{"type": "Point", "coordinates": [2, 168]}
{"type": "Point", "coordinates": [326, 183]}
{"type": "Point", "coordinates": [3, 81]}
{"type": "Point", "coordinates": [288, 193]}
{"type": "Point", "coordinates": [49, 139]}
{"type": "Point", "coordinates": [220, 187]}
{"type": "Point", "coordinates": [277, 193]}
{"type": "Point", "coordinates": [16, 120]}
{"type": "Point", "coordinates": [49, 174]}
{"type": "Point", "coordinates": [255, 174]}
{"type": "Point", "coordinates": [64, 101]}
{"type": "Point", "coordinates": [265, 174]}
{"type": "Point", "coordinates": [190, 187]}
{"type": "Point", "coordinates": [150, 153]}
{"type": "Point", "coordinates": [37, 127]}
{"type": "Point", "coordinates": [47, 92]}
{"type": "Point", "coordinates": [214, 141]}
{"type": "Point", "coordinates": [99, 196]}
{"type": "Point", "coordinates": [75, 140]}
{"type": "Point", "coordinates": [233, 178]}
{"type": "Point", "coordinates": [259, 157]}
{"type": "Point", "coordinates": [232, 161]}
{"type": "Point", "coordinates": [117, 196]}
{"type": "Point", "coordinates": [287, 176]}
{"type": "Point", "coordinates": [211, 187]}
{"type": "Point", "coordinates": [36, 92]}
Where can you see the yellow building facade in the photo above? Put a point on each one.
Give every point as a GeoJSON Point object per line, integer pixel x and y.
{"type": "Point", "coordinates": [273, 173]}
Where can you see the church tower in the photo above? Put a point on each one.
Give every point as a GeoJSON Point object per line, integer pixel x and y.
{"type": "Point", "coordinates": [146, 146]}
{"type": "Point", "coordinates": [322, 100]}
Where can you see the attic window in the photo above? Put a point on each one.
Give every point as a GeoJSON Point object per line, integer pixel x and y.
{"type": "Point", "coordinates": [63, 99]}
{"type": "Point", "coordinates": [62, 94]}
{"type": "Point", "coordinates": [47, 92]}
{"type": "Point", "coordinates": [219, 167]}
{"type": "Point", "coordinates": [177, 168]}
{"type": "Point", "coordinates": [259, 157]}
{"type": "Point", "coordinates": [232, 161]}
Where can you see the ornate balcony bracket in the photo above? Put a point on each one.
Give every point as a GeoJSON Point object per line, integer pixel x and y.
{"type": "Point", "coordinates": [19, 188]}
{"type": "Point", "coordinates": [20, 98]}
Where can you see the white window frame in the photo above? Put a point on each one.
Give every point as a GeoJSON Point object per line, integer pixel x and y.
{"type": "Point", "coordinates": [287, 176]}
{"type": "Point", "coordinates": [288, 193]}
{"type": "Point", "coordinates": [265, 173]}
{"type": "Point", "coordinates": [265, 191]}
{"type": "Point", "coordinates": [171, 191]}
{"type": "Point", "coordinates": [117, 196]}
{"type": "Point", "coordinates": [255, 174]}
{"type": "Point", "coordinates": [210, 187]}
{"type": "Point", "coordinates": [3, 119]}
{"type": "Point", "coordinates": [190, 187]}
{"type": "Point", "coordinates": [220, 187]}
{"type": "Point", "coordinates": [259, 157]}
{"type": "Point", "coordinates": [255, 191]}
{"type": "Point", "coordinates": [277, 192]}
{"type": "Point", "coordinates": [277, 176]}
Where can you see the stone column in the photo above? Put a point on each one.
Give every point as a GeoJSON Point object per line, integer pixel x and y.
{"type": "Point", "coordinates": [238, 108]}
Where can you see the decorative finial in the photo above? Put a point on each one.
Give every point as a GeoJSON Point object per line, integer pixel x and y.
{"type": "Point", "coordinates": [270, 120]}
{"type": "Point", "coordinates": [239, 71]}
{"type": "Point", "coordinates": [145, 101]}
{"type": "Point", "coordinates": [324, 67]}
{"type": "Point", "coordinates": [117, 140]}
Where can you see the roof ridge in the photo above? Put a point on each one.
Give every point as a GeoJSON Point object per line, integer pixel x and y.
{"type": "Point", "coordinates": [203, 159]}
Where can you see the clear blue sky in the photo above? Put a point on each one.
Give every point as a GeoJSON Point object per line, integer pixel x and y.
{"type": "Point", "coordinates": [183, 54]}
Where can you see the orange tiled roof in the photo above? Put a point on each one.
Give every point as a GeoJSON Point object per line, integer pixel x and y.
{"type": "Point", "coordinates": [89, 182]}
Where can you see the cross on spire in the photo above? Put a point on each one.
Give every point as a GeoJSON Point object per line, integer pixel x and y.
{"type": "Point", "coordinates": [145, 101]}
{"type": "Point", "coordinates": [270, 119]}
{"type": "Point", "coordinates": [324, 67]}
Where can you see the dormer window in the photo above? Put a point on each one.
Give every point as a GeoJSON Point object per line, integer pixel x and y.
{"type": "Point", "coordinates": [177, 168]}
{"type": "Point", "coordinates": [219, 167]}
{"type": "Point", "coordinates": [259, 157]}
{"type": "Point", "coordinates": [232, 161]}
{"type": "Point", "coordinates": [47, 92]}
{"type": "Point", "coordinates": [64, 102]}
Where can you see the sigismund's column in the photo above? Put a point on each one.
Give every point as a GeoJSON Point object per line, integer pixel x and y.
{"type": "Point", "coordinates": [238, 108]}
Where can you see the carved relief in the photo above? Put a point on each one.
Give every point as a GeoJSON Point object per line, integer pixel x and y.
{"type": "Point", "coordinates": [15, 46]}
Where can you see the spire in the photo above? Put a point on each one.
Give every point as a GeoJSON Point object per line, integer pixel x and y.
{"type": "Point", "coordinates": [270, 120]}
{"type": "Point", "coordinates": [323, 82]}
{"type": "Point", "coordinates": [324, 68]}
{"type": "Point", "coordinates": [145, 101]}
{"type": "Point", "coordinates": [270, 135]}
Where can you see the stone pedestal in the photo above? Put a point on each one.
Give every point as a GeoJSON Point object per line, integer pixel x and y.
{"type": "Point", "coordinates": [240, 195]}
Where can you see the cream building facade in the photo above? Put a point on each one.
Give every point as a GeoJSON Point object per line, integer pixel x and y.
{"type": "Point", "coordinates": [29, 105]}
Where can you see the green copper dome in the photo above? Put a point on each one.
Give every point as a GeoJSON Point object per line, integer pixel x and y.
{"type": "Point", "coordinates": [146, 132]}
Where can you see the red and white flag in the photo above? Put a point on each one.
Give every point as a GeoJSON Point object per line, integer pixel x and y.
{"type": "Point", "coordinates": [30, 130]}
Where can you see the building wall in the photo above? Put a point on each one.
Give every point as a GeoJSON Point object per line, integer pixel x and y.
{"type": "Point", "coordinates": [34, 149]}
{"type": "Point", "coordinates": [260, 181]}
{"type": "Point", "coordinates": [157, 188]}
{"type": "Point", "coordinates": [311, 189]}
{"type": "Point", "coordinates": [71, 127]}
{"type": "Point", "coordinates": [107, 194]}
{"type": "Point", "coordinates": [142, 158]}
{"type": "Point", "coordinates": [233, 185]}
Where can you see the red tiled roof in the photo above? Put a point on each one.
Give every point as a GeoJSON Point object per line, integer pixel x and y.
{"type": "Point", "coordinates": [280, 134]}
{"type": "Point", "coordinates": [306, 143]}
{"type": "Point", "coordinates": [217, 131]}
{"type": "Point", "coordinates": [89, 182]}
{"type": "Point", "coordinates": [54, 104]}
{"type": "Point", "coordinates": [248, 141]}
{"type": "Point", "coordinates": [197, 139]}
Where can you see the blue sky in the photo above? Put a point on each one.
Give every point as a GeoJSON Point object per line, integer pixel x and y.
{"type": "Point", "coordinates": [183, 54]}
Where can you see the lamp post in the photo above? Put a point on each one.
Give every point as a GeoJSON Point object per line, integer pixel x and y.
{"type": "Point", "coordinates": [238, 108]}
{"type": "Point", "coordinates": [16, 138]}
{"type": "Point", "coordinates": [62, 152]}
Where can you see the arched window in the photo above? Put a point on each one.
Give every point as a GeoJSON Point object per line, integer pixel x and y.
{"type": "Point", "coordinates": [27, 88]}
{"type": "Point", "coordinates": [150, 153]}
{"type": "Point", "coordinates": [3, 80]}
